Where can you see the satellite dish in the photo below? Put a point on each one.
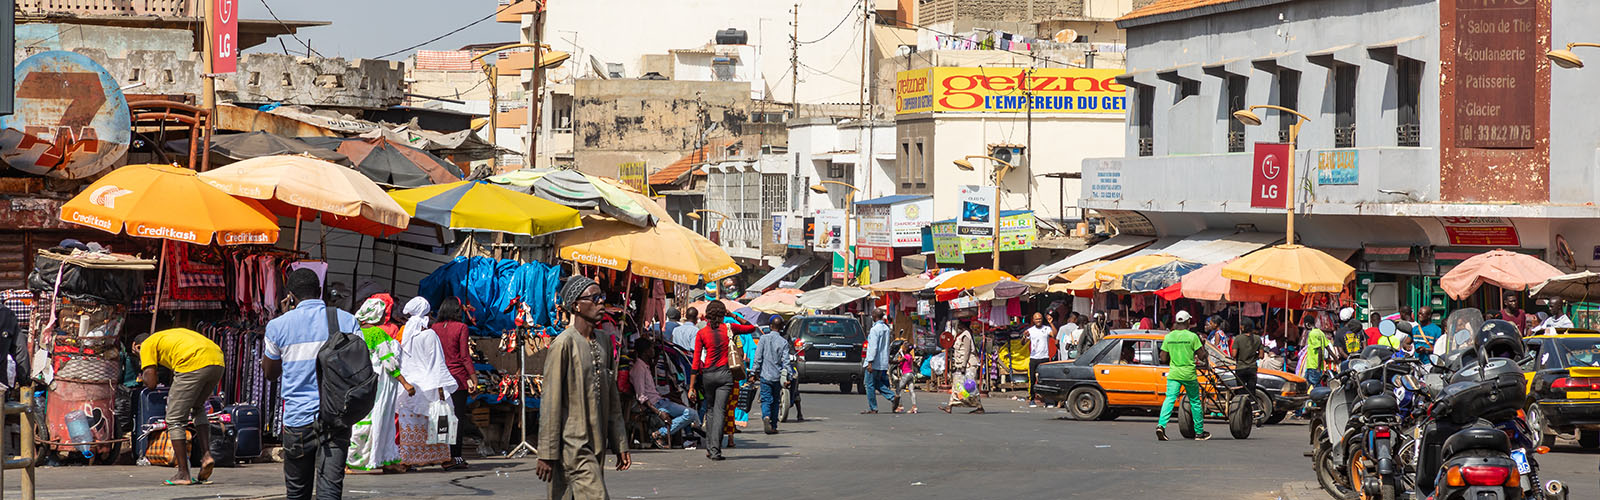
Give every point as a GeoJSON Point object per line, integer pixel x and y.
{"type": "Point", "coordinates": [599, 69]}
{"type": "Point", "coordinates": [1068, 35]}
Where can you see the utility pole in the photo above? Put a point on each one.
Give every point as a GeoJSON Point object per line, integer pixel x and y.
{"type": "Point", "coordinates": [208, 91]}
{"type": "Point", "coordinates": [794, 64]}
{"type": "Point", "coordinates": [535, 117]}
{"type": "Point", "coordinates": [1027, 147]}
{"type": "Point", "coordinates": [866, 35]}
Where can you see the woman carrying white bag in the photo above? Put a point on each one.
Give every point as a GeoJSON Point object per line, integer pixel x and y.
{"type": "Point", "coordinates": [423, 416]}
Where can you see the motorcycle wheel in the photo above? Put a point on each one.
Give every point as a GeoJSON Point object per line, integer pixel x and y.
{"type": "Point", "coordinates": [1361, 466]}
{"type": "Point", "coordinates": [1241, 420]}
{"type": "Point", "coordinates": [1328, 474]}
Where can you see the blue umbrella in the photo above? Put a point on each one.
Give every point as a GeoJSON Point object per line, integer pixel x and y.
{"type": "Point", "coordinates": [1156, 278]}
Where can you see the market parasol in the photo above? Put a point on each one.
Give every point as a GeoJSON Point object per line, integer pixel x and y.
{"type": "Point", "coordinates": [578, 190]}
{"type": "Point", "coordinates": [1207, 283]}
{"type": "Point", "coordinates": [779, 301]}
{"type": "Point", "coordinates": [1159, 277]}
{"type": "Point", "coordinates": [391, 163]}
{"type": "Point", "coordinates": [1004, 290]}
{"type": "Point", "coordinates": [261, 143]}
{"type": "Point", "coordinates": [830, 297]}
{"type": "Point", "coordinates": [1080, 269]}
{"type": "Point", "coordinates": [1295, 268]}
{"type": "Point", "coordinates": [1577, 286]}
{"type": "Point", "coordinates": [1111, 274]}
{"type": "Point", "coordinates": [307, 188]}
{"type": "Point", "coordinates": [700, 305]}
{"type": "Point", "coordinates": [951, 287]}
{"type": "Point", "coordinates": [913, 283]}
{"type": "Point", "coordinates": [482, 206]}
{"type": "Point", "coordinates": [664, 251]}
{"type": "Point", "coordinates": [1503, 268]}
{"type": "Point", "coordinates": [169, 203]}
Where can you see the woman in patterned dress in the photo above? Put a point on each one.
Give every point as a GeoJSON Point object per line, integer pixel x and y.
{"type": "Point", "coordinates": [372, 440]}
{"type": "Point", "coordinates": [422, 364]}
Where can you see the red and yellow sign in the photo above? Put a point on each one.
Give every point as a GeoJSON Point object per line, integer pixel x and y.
{"type": "Point", "coordinates": [1010, 90]}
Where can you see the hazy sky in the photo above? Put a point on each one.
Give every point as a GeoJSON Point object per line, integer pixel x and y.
{"type": "Point", "coordinates": [370, 28]}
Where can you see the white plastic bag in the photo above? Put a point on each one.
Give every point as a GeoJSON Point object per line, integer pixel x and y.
{"type": "Point", "coordinates": [441, 422]}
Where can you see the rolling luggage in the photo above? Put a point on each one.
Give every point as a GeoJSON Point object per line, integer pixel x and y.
{"type": "Point", "coordinates": [247, 429]}
{"type": "Point", "coordinates": [152, 408]}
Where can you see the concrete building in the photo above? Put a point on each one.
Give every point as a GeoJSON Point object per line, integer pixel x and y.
{"type": "Point", "coordinates": [1415, 152]}
{"type": "Point", "coordinates": [659, 121]}
{"type": "Point", "coordinates": [450, 80]}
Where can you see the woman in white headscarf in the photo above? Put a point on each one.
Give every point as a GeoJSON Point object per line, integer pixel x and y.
{"type": "Point", "coordinates": [422, 364]}
{"type": "Point", "coordinates": [372, 440]}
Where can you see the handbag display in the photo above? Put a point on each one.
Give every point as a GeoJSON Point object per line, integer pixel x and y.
{"type": "Point", "coordinates": [441, 422]}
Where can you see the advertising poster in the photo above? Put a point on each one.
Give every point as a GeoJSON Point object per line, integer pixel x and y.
{"type": "Point", "coordinates": [1269, 178]}
{"type": "Point", "coordinates": [830, 230]}
{"type": "Point", "coordinates": [977, 211]}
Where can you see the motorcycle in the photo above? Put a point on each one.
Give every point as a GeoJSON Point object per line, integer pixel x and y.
{"type": "Point", "coordinates": [1477, 442]}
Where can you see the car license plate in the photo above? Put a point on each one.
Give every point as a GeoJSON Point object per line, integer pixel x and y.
{"type": "Point", "coordinates": [832, 354]}
{"type": "Point", "coordinates": [1521, 457]}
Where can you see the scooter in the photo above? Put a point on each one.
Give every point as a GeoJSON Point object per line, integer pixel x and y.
{"type": "Point", "coordinates": [1476, 443]}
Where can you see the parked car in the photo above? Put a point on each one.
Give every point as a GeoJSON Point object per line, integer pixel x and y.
{"type": "Point", "coordinates": [828, 350]}
{"type": "Point", "coordinates": [1563, 374]}
{"type": "Point", "coordinates": [1122, 373]}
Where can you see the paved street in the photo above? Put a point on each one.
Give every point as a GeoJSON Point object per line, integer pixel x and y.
{"type": "Point", "coordinates": [1012, 452]}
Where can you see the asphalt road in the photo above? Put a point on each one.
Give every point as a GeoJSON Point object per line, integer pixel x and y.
{"type": "Point", "coordinates": [1011, 452]}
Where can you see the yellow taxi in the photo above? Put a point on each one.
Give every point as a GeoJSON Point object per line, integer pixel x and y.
{"type": "Point", "coordinates": [1564, 386]}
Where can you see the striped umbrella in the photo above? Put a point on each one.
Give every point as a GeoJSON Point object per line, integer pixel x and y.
{"type": "Point", "coordinates": [483, 206]}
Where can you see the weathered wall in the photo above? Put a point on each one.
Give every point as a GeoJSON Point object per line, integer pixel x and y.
{"type": "Point", "coordinates": [616, 121]}
{"type": "Point", "coordinates": [361, 83]}
{"type": "Point", "coordinates": [161, 59]}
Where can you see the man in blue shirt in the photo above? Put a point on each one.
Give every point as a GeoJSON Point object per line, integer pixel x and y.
{"type": "Point", "coordinates": [771, 361]}
{"type": "Point", "coordinates": [292, 343]}
{"type": "Point", "coordinates": [683, 334]}
{"type": "Point", "coordinates": [877, 361]}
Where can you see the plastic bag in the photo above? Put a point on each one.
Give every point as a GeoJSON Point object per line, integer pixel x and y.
{"type": "Point", "coordinates": [442, 422]}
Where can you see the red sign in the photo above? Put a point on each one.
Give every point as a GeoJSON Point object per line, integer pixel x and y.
{"type": "Point", "coordinates": [224, 36]}
{"type": "Point", "coordinates": [1496, 58]}
{"type": "Point", "coordinates": [1269, 178]}
{"type": "Point", "coordinates": [1480, 231]}
{"type": "Point", "coordinates": [885, 254]}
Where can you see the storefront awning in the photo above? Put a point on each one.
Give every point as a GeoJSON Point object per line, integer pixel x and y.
{"type": "Point", "coordinates": [1112, 248]}
{"type": "Point", "coordinates": [809, 271]}
{"type": "Point", "coordinates": [778, 273]}
{"type": "Point", "coordinates": [1211, 247]}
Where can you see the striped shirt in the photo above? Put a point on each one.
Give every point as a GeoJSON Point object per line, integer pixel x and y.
{"type": "Point", "coordinates": [294, 338]}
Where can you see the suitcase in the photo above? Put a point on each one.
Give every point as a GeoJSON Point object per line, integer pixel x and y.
{"type": "Point", "coordinates": [152, 408]}
{"type": "Point", "coordinates": [247, 429]}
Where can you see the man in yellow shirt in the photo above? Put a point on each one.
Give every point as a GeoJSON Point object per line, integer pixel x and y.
{"type": "Point", "coordinates": [196, 364]}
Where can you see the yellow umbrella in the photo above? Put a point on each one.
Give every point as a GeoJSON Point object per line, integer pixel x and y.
{"type": "Point", "coordinates": [665, 251]}
{"type": "Point", "coordinates": [1080, 269]}
{"type": "Point", "coordinates": [1291, 267]}
{"type": "Point", "coordinates": [1111, 274]}
{"type": "Point", "coordinates": [306, 188]}
{"type": "Point", "coordinates": [483, 206]}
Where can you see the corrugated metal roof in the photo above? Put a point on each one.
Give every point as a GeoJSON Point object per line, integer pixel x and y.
{"type": "Point", "coordinates": [1211, 247]}
{"type": "Point", "coordinates": [1111, 248]}
{"type": "Point", "coordinates": [893, 199]}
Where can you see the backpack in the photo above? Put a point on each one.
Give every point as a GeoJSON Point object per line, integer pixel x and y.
{"type": "Point", "coordinates": [348, 385]}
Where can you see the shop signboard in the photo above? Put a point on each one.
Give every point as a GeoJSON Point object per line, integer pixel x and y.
{"type": "Point", "coordinates": [946, 244]}
{"type": "Point", "coordinates": [908, 220]}
{"type": "Point", "coordinates": [977, 211]}
{"type": "Point", "coordinates": [225, 30]}
{"type": "Point", "coordinates": [830, 230]}
{"type": "Point", "coordinates": [778, 231]}
{"type": "Point", "coordinates": [1016, 233]}
{"type": "Point", "coordinates": [1269, 177]}
{"type": "Point", "coordinates": [1480, 231]}
{"type": "Point", "coordinates": [873, 226]}
{"type": "Point", "coordinates": [1338, 167]}
{"type": "Point", "coordinates": [996, 90]}
{"type": "Point", "coordinates": [1107, 181]}
{"type": "Point", "coordinates": [71, 120]}
{"type": "Point", "coordinates": [1497, 56]}
{"type": "Point", "coordinates": [882, 254]}
{"type": "Point", "coordinates": [633, 175]}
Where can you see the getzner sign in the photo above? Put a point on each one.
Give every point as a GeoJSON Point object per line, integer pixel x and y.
{"type": "Point", "coordinates": [1010, 90]}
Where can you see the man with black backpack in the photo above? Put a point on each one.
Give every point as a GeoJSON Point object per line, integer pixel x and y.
{"type": "Point", "coordinates": [316, 438]}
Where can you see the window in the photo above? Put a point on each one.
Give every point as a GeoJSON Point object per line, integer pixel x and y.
{"type": "Point", "coordinates": [1344, 106]}
{"type": "Point", "coordinates": [561, 113]}
{"type": "Point", "coordinates": [722, 69]}
{"type": "Point", "coordinates": [1131, 352]}
{"type": "Point", "coordinates": [1236, 88]}
{"type": "Point", "coordinates": [1408, 130]}
{"type": "Point", "coordinates": [835, 169]}
{"type": "Point", "coordinates": [904, 174]}
{"type": "Point", "coordinates": [1144, 114]}
{"type": "Point", "coordinates": [774, 194]}
{"type": "Point", "coordinates": [919, 173]}
{"type": "Point", "coordinates": [1186, 88]}
{"type": "Point", "coordinates": [1288, 97]}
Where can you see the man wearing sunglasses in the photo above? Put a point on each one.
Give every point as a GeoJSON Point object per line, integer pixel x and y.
{"type": "Point", "coordinates": [581, 416]}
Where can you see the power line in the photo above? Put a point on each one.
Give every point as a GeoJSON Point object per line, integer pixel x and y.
{"type": "Point", "coordinates": [452, 32]}
{"type": "Point", "coordinates": [847, 15]}
{"type": "Point", "coordinates": [291, 32]}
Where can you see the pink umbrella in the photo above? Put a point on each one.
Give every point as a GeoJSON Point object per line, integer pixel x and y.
{"type": "Point", "coordinates": [1503, 268]}
{"type": "Point", "coordinates": [780, 301]}
{"type": "Point", "coordinates": [1207, 283]}
{"type": "Point", "coordinates": [700, 305]}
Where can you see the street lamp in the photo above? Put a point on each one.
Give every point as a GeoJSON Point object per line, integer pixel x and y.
{"type": "Point", "coordinates": [695, 214]}
{"type": "Point", "coordinates": [999, 174]}
{"type": "Point", "coordinates": [1565, 58]}
{"type": "Point", "coordinates": [1250, 118]}
{"type": "Point", "coordinates": [821, 187]}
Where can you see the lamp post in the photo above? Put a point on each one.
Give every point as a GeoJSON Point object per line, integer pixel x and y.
{"type": "Point", "coordinates": [849, 201]}
{"type": "Point", "coordinates": [999, 174]}
{"type": "Point", "coordinates": [695, 214]}
{"type": "Point", "coordinates": [1250, 118]}
{"type": "Point", "coordinates": [1565, 58]}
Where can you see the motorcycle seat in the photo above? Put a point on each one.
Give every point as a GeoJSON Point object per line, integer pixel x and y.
{"type": "Point", "coordinates": [1380, 404]}
{"type": "Point", "coordinates": [1476, 438]}
{"type": "Point", "coordinates": [1320, 394]}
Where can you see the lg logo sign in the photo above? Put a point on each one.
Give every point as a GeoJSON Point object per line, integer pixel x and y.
{"type": "Point", "coordinates": [1269, 178]}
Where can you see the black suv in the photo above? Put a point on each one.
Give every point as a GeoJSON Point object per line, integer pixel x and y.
{"type": "Point", "coordinates": [829, 350]}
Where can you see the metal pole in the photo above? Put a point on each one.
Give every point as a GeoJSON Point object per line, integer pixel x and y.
{"type": "Point", "coordinates": [26, 446]}
{"type": "Point", "coordinates": [794, 65]}
{"type": "Point", "coordinates": [493, 74]}
{"type": "Point", "coordinates": [208, 94]}
{"type": "Point", "coordinates": [1294, 136]}
{"type": "Point", "coordinates": [995, 213]}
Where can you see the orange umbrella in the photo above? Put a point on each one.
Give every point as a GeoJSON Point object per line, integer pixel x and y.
{"type": "Point", "coordinates": [1295, 268]}
{"type": "Point", "coordinates": [1207, 283]}
{"type": "Point", "coordinates": [171, 203]}
{"type": "Point", "coordinates": [1502, 268]}
{"type": "Point", "coordinates": [1080, 269]}
{"type": "Point", "coordinates": [306, 188]}
{"type": "Point", "coordinates": [969, 280]}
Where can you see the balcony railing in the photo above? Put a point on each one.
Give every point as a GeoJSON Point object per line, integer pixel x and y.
{"type": "Point", "coordinates": [1147, 146]}
{"type": "Point", "coordinates": [1344, 137]}
{"type": "Point", "coordinates": [1235, 142]}
{"type": "Point", "coordinates": [1409, 134]}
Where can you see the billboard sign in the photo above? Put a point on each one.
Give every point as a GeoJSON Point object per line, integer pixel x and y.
{"type": "Point", "coordinates": [225, 36]}
{"type": "Point", "coordinates": [71, 119]}
{"type": "Point", "coordinates": [1009, 90]}
{"type": "Point", "coordinates": [1269, 177]}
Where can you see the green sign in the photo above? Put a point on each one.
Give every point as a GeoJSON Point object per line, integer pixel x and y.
{"type": "Point", "coordinates": [946, 245]}
{"type": "Point", "coordinates": [1016, 233]}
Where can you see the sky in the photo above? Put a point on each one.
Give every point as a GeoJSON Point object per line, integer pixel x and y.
{"type": "Point", "coordinates": [370, 28]}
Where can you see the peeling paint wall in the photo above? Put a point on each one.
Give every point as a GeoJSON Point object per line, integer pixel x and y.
{"type": "Point", "coordinates": [617, 121]}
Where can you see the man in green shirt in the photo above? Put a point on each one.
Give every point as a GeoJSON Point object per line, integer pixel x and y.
{"type": "Point", "coordinates": [1316, 344]}
{"type": "Point", "coordinates": [1179, 351]}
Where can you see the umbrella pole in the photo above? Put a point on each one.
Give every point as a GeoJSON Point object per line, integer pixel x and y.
{"type": "Point", "coordinates": [297, 228]}
{"type": "Point", "coordinates": [161, 274]}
